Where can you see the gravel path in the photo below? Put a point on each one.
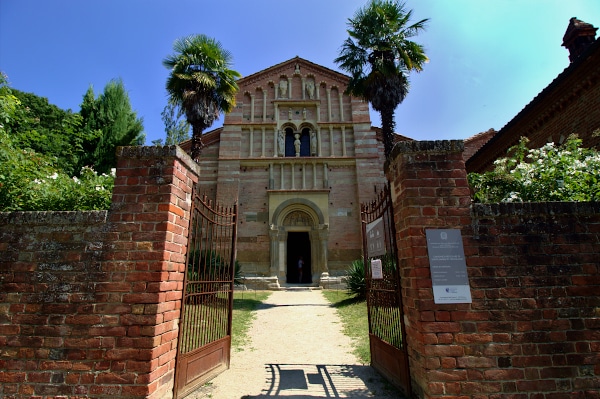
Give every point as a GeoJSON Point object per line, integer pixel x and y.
{"type": "Point", "coordinates": [297, 351]}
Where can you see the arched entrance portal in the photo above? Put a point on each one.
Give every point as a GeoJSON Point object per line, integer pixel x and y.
{"type": "Point", "coordinates": [298, 246]}
{"type": "Point", "coordinates": [298, 228]}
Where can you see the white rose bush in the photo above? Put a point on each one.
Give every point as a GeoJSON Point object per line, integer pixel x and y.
{"type": "Point", "coordinates": [565, 172]}
{"type": "Point", "coordinates": [31, 182]}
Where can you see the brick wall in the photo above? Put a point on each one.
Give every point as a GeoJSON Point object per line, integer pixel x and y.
{"type": "Point", "coordinates": [89, 301]}
{"type": "Point", "coordinates": [533, 327]}
{"type": "Point", "coordinates": [49, 268]}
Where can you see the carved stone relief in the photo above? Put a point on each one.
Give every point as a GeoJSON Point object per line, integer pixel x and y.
{"type": "Point", "coordinates": [297, 218]}
{"type": "Point", "coordinates": [310, 89]}
{"type": "Point", "coordinates": [283, 86]}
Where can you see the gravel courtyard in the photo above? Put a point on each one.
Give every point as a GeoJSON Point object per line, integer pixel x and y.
{"type": "Point", "coordinates": [297, 351]}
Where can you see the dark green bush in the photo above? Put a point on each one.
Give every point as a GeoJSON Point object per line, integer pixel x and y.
{"type": "Point", "coordinates": [356, 283]}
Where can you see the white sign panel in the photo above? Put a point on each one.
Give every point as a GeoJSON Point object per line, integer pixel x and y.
{"type": "Point", "coordinates": [448, 267]}
{"type": "Point", "coordinates": [376, 269]}
{"type": "Point", "coordinates": [375, 238]}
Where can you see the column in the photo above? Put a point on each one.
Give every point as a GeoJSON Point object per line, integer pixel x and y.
{"type": "Point", "coordinates": [331, 152]}
{"type": "Point", "coordinates": [264, 118]}
{"type": "Point", "coordinates": [251, 107]}
{"type": "Point", "coordinates": [274, 238]}
{"type": "Point", "coordinates": [343, 141]}
{"type": "Point", "coordinates": [328, 104]}
{"type": "Point", "coordinates": [304, 176]}
{"type": "Point", "coordinates": [251, 142]}
{"type": "Point", "coordinates": [341, 107]}
{"type": "Point", "coordinates": [319, 140]}
{"type": "Point", "coordinates": [262, 151]}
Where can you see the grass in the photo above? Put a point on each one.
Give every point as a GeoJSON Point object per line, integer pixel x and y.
{"type": "Point", "coordinates": [353, 313]}
{"type": "Point", "coordinates": [244, 305]}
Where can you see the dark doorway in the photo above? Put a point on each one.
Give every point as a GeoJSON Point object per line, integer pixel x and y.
{"type": "Point", "coordinates": [298, 245]}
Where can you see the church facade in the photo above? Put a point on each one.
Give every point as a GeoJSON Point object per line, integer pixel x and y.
{"type": "Point", "coordinates": [299, 156]}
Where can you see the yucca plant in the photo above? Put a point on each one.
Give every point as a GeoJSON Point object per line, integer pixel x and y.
{"type": "Point", "coordinates": [356, 283]}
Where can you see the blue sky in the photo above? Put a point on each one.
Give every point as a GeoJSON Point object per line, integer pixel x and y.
{"type": "Point", "coordinates": [488, 58]}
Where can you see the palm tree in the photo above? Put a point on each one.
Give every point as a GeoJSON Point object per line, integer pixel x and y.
{"type": "Point", "coordinates": [201, 83]}
{"type": "Point", "coordinates": [379, 56]}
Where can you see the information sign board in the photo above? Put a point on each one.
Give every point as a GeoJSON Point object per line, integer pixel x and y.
{"type": "Point", "coordinates": [376, 238]}
{"type": "Point", "coordinates": [448, 267]}
{"type": "Point", "coordinates": [376, 269]}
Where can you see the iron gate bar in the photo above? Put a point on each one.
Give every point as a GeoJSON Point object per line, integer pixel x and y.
{"type": "Point", "coordinates": [381, 207]}
{"type": "Point", "coordinates": [207, 304]}
{"type": "Point", "coordinates": [387, 334]}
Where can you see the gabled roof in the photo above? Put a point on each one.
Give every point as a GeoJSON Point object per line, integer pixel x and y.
{"type": "Point", "coordinates": [301, 62]}
{"type": "Point", "coordinates": [500, 142]}
{"type": "Point", "coordinates": [208, 138]}
{"type": "Point", "coordinates": [397, 137]}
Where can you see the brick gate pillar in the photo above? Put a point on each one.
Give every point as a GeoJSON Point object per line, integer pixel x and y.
{"type": "Point", "coordinates": [148, 230]}
{"type": "Point", "coordinates": [429, 190]}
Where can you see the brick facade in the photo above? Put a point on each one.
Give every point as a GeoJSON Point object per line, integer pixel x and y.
{"type": "Point", "coordinates": [331, 178]}
{"type": "Point", "coordinates": [89, 301]}
{"type": "Point", "coordinates": [533, 327]}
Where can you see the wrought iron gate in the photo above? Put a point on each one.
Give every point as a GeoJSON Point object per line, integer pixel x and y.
{"type": "Point", "coordinates": [384, 298]}
{"type": "Point", "coordinates": [205, 332]}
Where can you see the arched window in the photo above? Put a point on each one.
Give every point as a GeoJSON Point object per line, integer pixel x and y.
{"type": "Point", "coordinates": [290, 138]}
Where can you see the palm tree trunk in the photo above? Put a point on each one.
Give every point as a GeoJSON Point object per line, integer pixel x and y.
{"type": "Point", "coordinates": [196, 141]}
{"type": "Point", "coordinates": [387, 126]}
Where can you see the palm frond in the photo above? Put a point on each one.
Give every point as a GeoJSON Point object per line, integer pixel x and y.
{"type": "Point", "coordinates": [379, 56]}
{"type": "Point", "coordinates": [201, 82]}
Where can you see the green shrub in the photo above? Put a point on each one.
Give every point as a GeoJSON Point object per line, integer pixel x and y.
{"type": "Point", "coordinates": [550, 173]}
{"type": "Point", "coordinates": [31, 182]}
{"type": "Point", "coordinates": [356, 283]}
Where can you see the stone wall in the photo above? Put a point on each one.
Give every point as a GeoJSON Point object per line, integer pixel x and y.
{"type": "Point", "coordinates": [89, 301]}
{"type": "Point", "coordinates": [533, 327]}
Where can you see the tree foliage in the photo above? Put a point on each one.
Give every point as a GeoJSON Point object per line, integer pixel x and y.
{"type": "Point", "coordinates": [177, 129]}
{"type": "Point", "coordinates": [111, 121]}
{"type": "Point", "coordinates": [49, 130]}
{"type": "Point", "coordinates": [565, 172]}
{"type": "Point", "coordinates": [35, 164]}
{"type": "Point", "coordinates": [201, 82]}
{"type": "Point", "coordinates": [379, 55]}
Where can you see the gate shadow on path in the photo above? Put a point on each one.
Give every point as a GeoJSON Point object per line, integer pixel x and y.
{"type": "Point", "coordinates": [307, 381]}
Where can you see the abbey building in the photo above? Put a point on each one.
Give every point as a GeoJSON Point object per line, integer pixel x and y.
{"type": "Point", "coordinates": [299, 156]}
